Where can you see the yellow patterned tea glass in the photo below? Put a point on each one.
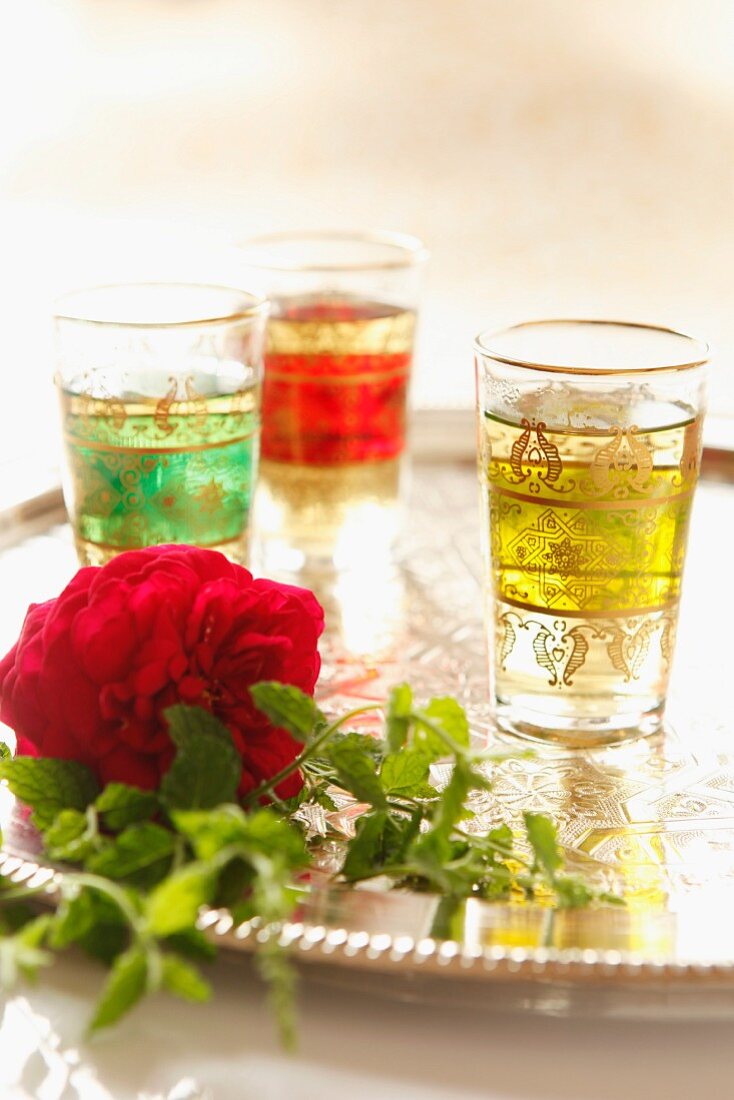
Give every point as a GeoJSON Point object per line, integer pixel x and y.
{"type": "Point", "coordinates": [160, 402]}
{"type": "Point", "coordinates": [589, 451]}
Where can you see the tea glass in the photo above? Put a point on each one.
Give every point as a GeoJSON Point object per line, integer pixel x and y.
{"type": "Point", "coordinates": [159, 386]}
{"type": "Point", "coordinates": [589, 443]}
{"type": "Point", "coordinates": [338, 360]}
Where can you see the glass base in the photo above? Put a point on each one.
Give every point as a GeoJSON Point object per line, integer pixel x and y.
{"type": "Point", "coordinates": [276, 558]}
{"type": "Point", "coordinates": [582, 732]}
{"type": "Point", "coordinates": [311, 518]}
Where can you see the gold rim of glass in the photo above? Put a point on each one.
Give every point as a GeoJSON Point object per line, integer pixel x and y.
{"type": "Point", "coordinates": [256, 306]}
{"type": "Point", "coordinates": [410, 251]}
{"type": "Point", "coordinates": [483, 347]}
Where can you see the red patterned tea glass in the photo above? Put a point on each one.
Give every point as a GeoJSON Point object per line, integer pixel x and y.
{"type": "Point", "coordinates": [337, 370]}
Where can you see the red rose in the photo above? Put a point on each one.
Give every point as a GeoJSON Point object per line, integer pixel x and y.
{"type": "Point", "coordinates": [94, 669]}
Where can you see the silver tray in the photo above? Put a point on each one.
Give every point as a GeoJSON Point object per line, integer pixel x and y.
{"type": "Point", "coordinates": [654, 818]}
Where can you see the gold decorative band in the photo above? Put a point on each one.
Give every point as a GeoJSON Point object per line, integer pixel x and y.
{"type": "Point", "coordinates": [119, 547]}
{"type": "Point", "coordinates": [335, 379]}
{"type": "Point", "coordinates": [391, 334]}
{"type": "Point", "coordinates": [597, 505]}
{"type": "Point", "coordinates": [564, 613]}
{"type": "Point", "coordinates": [94, 445]}
{"type": "Point", "coordinates": [368, 460]}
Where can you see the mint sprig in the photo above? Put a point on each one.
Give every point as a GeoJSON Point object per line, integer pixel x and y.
{"type": "Point", "coordinates": [206, 769]}
{"type": "Point", "coordinates": [143, 864]}
{"type": "Point", "coordinates": [49, 786]}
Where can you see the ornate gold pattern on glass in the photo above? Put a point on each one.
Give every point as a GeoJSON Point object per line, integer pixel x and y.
{"type": "Point", "coordinates": [589, 522]}
{"type": "Point", "coordinates": [176, 469]}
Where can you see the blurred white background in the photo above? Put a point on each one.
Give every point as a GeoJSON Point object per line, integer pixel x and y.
{"type": "Point", "coordinates": [559, 157]}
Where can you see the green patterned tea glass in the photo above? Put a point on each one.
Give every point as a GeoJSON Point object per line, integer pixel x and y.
{"type": "Point", "coordinates": [589, 449]}
{"type": "Point", "coordinates": [159, 387]}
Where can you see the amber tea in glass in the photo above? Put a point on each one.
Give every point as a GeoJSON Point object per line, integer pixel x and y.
{"type": "Point", "coordinates": [159, 388]}
{"type": "Point", "coordinates": [338, 359]}
{"type": "Point", "coordinates": [589, 450]}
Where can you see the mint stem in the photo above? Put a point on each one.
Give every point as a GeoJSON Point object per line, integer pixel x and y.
{"type": "Point", "coordinates": [270, 784]}
{"type": "Point", "coordinates": [453, 746]}
{"type": "Point", "coordinates": [19, 893]}
{"type": "Point", "coordinates": [114, 892]}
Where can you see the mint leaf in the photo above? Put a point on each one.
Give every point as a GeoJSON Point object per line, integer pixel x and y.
{"type": "Point", "coordinates": [208, 831]}
{"type": "Point", "coordinates": [278, 973]}
{"type": "Point", "coordinates": [193, 943]}
{"type": "Point", "coordinates": [397, 723]}
{"type": "Point", "coordinates": [404, 772]}
{"type": "Point", "coordinates": [364, 854]}
{"type": "Point", "coordinates": [448, 919]}
{"type": "Point", "coordinates": [433, 849]}
{"type": "Point", "coordinates": [141, 854]}
{"type": "Point", "coordinates": [21, 954]}
{"type": "Point", "coordinates": [288, 708]}
{"type": "Point", "coordinates": [571, 893]}
{"type": "Point", "coordinates": [326, 801]}
{"type": "Point", "coordinates": [356, 769]}
{"type": "Point", "coordinates": [501, 835]}
{"type": "Point", "coordinates": [234, 880]}
{"type": "Point", "coordinates": [175, 903]}
{"type": "Point", "coordinates": [263, 832]}
{"type": "Point", "coordinates": [5, 753]}
{"type": "Point", "coordinates": [91, 920]}
{"type": "Point", "coordinates": [72, 836]}
{"type": "Point", "coordinates": [183, 980]}
{"type": "Point", "coordinates": [543, 840]}
{"type": "Point", "coordinates": [451, 807]}
{"type": "Point", "coordinates": [14, 914]}
{"type": "Point", "coordinates": [372, 746]}
{"type": "Point", "coordinates": [276, 838]}
{"type": "Point", "coordinates": [49, 786]}
{"type": "Point", "coordinates": [207, 768]}
{"type": "Point", "coordinates": [610, 899]}
{"type": "Point", "coordinates": [450, 716]}
{"type": "Point", "coordinates": [75, 917]}
{"type": "Point", "coordinates": [124, 987]}
{"type": "Point", "coordinates": [120, 805]}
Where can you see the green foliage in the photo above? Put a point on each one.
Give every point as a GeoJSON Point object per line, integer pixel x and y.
{"type": "Point", "coordinates": [183, 980]}
{"type": "Point", "coordinates": [399, 711]}
{"type": "Point", "coordinates": [141, 854]}
{"type": "Point", "coordinates": [365, 853]}
{"type": "Point", "coordinates": [48, 786]}
{"type": "Point", "coordinates": [119, 805]}
{"type": "Point", "coordinates": [21, 952]}
{"type": "Point", "coordinates": [174, 904]}
{"type": "Point", "coordinates": [288, 708]}
{"type": "Point", "coordinates": [145, 864]}
{"type": "Point", "coordinates": [450, 717]}
{"type": "Point", "coordinates": [355, 770]}
{"type": "Point", "coordinates": [543, 840]}
{"type": "Point", "coordinates": [72, 836]}
{"type": "Point", "coordinates": [207, 767]}
{"type": "Point", "coordinates": [125, 986]}
{"type": "Point", "coordinates": [404, 772]}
